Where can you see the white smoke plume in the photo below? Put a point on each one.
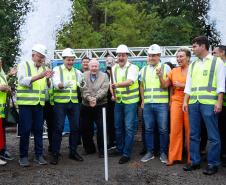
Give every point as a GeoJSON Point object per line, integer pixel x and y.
{"type": "Point", "coordinates": [217, 13]}
{"type": "Point", "coordinates": [42, 23]}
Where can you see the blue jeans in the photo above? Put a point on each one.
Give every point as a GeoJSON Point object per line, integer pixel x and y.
{"type": "Point", "coordinates": [196, 112]}
{"type": "Point", "coordinates": [30, 119]}
{"type": "Point", "coordinates": [125, 127]}
{"type": "Point", "coordinates": [156, 113]}
{"type": "Point", "coordinates": [72, 111]}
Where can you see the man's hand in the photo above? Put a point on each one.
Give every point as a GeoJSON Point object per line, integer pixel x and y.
{"type": "Point", "coordinates": [12, 71]}
{"type": "Point", "coordinates": [67, 84]}
{"type": "Point", "coordinates": [159, 72]}
{"type": "Point", "coordinates": [5, 88]}
{"type": "Point", "coordinates": [142, 104]}
{"type": "Point", "coordinates": [114, 85]}
{"type": "Point", "coordinates": [218, 107]}
{"type": "Point", "coordinates": [93, 102]}
{"type": "Point", "coordinates": [49, 73]}
{"type": "Point", "coordinates": [113, 98]}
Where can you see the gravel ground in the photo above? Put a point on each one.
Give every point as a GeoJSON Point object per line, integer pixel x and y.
{"type": "Point", "coordinates": [91, 171]}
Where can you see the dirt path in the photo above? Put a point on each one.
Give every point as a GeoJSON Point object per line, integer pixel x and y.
{"type": "Point", "coordinates": [91, 171]}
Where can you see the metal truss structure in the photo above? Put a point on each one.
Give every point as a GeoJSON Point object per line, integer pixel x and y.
{"type": "Point", "coordinates": [135, 52]}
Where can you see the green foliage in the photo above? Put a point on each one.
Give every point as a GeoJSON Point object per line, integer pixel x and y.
{"type": "Point", "coordinates": [11, 17]}
{"type": "Point", "coordinates": [108, 23]}
{"type": "Point", "coordinates": [79, 33]}
{"type": "Point", "coordinates": [122, 25]}
{"type": "Point", "coordinates": [174, 31]}
{"type": "Point", "coordinates": [193, 12]}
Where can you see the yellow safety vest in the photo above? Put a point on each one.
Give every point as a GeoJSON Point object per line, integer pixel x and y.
{"type": "Point", "coordinates": [3, 96]}
{"type": "Point", "coordinates": [204, 82]}
{"type": "Point", "coordinates": [126, 95]}
{"type": "Point", "coordinates": [69, 94]}
{"type": "Point", "coordinates": [35, 94]}
{"type": "Point", "coordinates": [224, 103]}
{"type": "Point", "coordinates": [153, 93]}
{"type": "Point", "coordinates": [51, 96]}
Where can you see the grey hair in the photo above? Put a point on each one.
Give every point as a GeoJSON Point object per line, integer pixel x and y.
{"type": "Point", "coordinates": [94, 60]}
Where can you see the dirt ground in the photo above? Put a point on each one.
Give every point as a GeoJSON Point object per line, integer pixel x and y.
{"type": "Point", "coordinates": [91, 171]}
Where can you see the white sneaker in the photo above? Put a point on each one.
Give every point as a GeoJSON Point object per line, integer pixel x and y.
{"type": "Point", "coordinates": [147, 157]}
{"type": "Point", "coordinates": [163, 158]}
{"type": "Point", "coordinates": [2, 163]}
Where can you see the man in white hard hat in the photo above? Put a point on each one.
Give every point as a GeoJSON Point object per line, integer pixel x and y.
{"type": "Point", "coordinates": [65, 81]}
{"type": "Point", "coordinates": [155, 103]}
{"type": "Point", "coordinates": [125, 83]}
{"type": "Point", "coordinates": [31, 86]}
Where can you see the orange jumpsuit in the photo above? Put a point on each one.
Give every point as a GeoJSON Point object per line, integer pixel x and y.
{"type": "Point", "coordinates": [178, 118]}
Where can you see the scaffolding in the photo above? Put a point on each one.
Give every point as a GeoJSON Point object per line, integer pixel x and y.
{"type": "Point", "coordinates": [135, 52]}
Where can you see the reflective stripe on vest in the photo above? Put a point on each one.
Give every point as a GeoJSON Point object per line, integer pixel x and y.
{"type": "Point", "coordinates": [153, 93]}
{"type": "Point", "coordinates": [3, 96]}
{"type": "Point", "coordinates": [126, 95]}
{"type": "Point", "coordinates": [35, 94]}
{"type": "Point", "coordinates": [69, 94]}
{"type": "Point", "coordinates": [204, 94]}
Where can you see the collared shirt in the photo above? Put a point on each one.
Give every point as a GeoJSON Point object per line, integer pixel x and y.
{"type": "Point", "coordinates": [23, 79]}
{"type": "Point", "coordinates": [93, 77]}
{"type": "Point", "coordinates": [220, 75]}
{"type": "Point", "coordinates": [56, 76]}
{"type": "Point", "coordinates": [132, 71]}
{"type": "Point", "coordinates": [152, 68]}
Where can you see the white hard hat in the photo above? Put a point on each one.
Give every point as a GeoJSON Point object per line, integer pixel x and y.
{"type": "Point", "coordinates": [40, 49]}
{"type": "Point", "coordinates": [122, 49]}
{"type": "Point", "coordinates": [68, 52]}
{"type": "Point", "coordinates": [154, 49]}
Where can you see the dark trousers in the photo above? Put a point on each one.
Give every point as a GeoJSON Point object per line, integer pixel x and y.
{"type": "Point", "coordinates": [143, 133]}
{"type": "Point", "coordinates": [49, 117]}
{"type": "Point", "coordinates": [72, 111]}
{"type": "Point", "coordinates": [2, 135]}
{"type": "Point", "coordinates": [89, 115]}
{"type": "Point", "coordinates": [204, 137]}
{"type": "Point", "coordinates": [30, 119]}
{"type": "Point", "coordinates": [222, 129]}
{"type": "Point", "coordinates": [110, 124]}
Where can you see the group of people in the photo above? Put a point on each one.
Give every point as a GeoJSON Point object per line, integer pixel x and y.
{"type": "Point", "coordinates": [190, 94]}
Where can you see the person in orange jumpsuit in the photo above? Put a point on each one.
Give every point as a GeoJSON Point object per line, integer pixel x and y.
{"type": "Point", "coordinates": [176, 79]}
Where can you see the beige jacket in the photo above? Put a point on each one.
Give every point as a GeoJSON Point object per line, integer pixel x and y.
{"type": "Point", "coordinates": [97, 89]}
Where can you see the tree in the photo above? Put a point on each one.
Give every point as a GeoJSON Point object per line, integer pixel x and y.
{"type": "Point", "coordinates": [108, 23]}
{"type": "Point", "coordinates": [194, 12]}
{"type": "Point", "coordinates": [122, 24]}
{"type": "Point", "coordinates": [173, 31]}
{"type": "Point", "coordinates": [79, 33]}
{"type": "Point", "coordinates": [11, 17]}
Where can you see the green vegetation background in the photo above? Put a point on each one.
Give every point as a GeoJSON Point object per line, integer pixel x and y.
{"type": "Point", "coordinates": [107, 23]}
